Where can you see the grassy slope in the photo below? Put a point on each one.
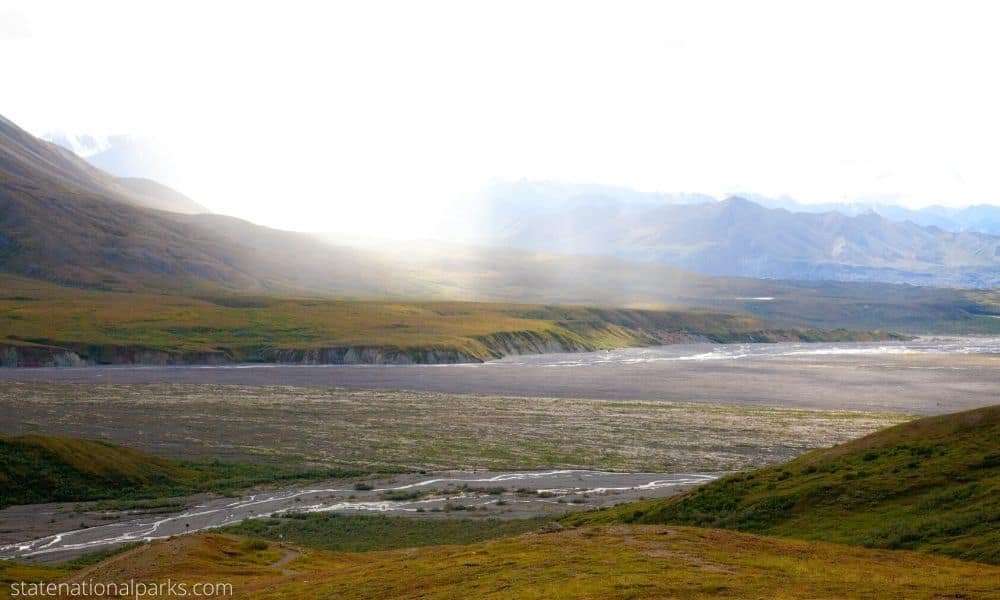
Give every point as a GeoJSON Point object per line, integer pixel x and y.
{"type": "Point", "coordinates": [614, 562]}
{"type": "Point", "coordinates": [932, 484]}
{"type": "Point", "coordinates": [99, 324]}
{"type": "Point", "coordinates": [364, 533]}
{"type": "Point", "coordinates": [45, 468]}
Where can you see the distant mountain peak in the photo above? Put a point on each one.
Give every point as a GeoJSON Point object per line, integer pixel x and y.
{"type": "Point", "coordinates": [741, 204]}
{"type": "Point", "coordinates": [740, 236]}
{"type": "Point", "coordinates": [738, 201]}
{"type": "Point", "coordinates": [83, 145]}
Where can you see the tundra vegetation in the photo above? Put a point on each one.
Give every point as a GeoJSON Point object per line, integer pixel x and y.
{"type": "Point", "coordinates": [932, 485]}
{"type": "Point", "coordinates": [47, 324]}
{"type": "Point", "coordinates": [47, 468]}
{"type": "Point", "coordinates": [916, 491]}
{"type": "Point", "coordinates": [622, 561]}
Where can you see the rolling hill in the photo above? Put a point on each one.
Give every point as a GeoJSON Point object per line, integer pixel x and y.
{"type": "Point", "coordinates": [46, 325]}
{"type": "Point", "coordinates": [46, 468]}
{"type": "Point", "coordinates": [932, 485]}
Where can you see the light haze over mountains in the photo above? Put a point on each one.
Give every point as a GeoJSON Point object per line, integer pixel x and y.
{"type": "Point", "coordinates": [740, 237]}
{"type": "Point", "coordinates": [64, 221]}
{"type": "Point", "coordinates": [747, 236]}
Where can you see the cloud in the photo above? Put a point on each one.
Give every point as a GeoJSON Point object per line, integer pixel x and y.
{"type": "Point", "coordinates": [13, 26]}
{"type": "Point", "coordinates": [349, 115]}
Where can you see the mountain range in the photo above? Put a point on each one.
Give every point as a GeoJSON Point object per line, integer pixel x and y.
{"type": "Point", "coordinates": [64, 221]}
{"type": "Point", "coordinates": [746, 236]}
{"type": "Point", "coordinates": [982, 218]}
{"type": "Point", "coordinates": [734, 237]}
{"type": "Point", "coordinates": [130, 156]}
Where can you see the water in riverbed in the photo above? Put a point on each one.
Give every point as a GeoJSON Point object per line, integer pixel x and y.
{"type": "Point", "coordinates": [525, 494]}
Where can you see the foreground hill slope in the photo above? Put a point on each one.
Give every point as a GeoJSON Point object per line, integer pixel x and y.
{"type": "Point", "coordinates": [932, 484]}
{"type": "Point", "coordinates": [43, 468]}
{"type": "Point", "coordinates": [604, 562]}
{"type": "Point", "coordinates": [47, 468]}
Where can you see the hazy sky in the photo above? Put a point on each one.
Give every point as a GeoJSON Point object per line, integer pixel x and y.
{"type": "Point", "coordinates": [338, 116]}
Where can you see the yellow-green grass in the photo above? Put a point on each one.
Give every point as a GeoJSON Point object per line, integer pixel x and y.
{"type": "Point", "coordinates": [47, 468]}
{"type": "Point", "coordinates": [603, 562]}
{"type": "Point", "coordinates": [932, 484]}
{"type": "Point", "coordinates": [112, 326]}
{"type": "Point", "coordinates": [49, 314]}
{"type": "Point", "coordinates": [365, 533]}
{"type": "Point", "coordinates": [13, 572]}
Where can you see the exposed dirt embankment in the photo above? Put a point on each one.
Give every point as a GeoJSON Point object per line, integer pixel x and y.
{"type": "Point", "coordinates": [505, 343]}
{"type": "Point", "coordinates": [476, 350]}
{"type": "Point", "coordinates": [38, 356]}
{"type": "Point", "coordinates": [564, 336]}
{"type": "Point", "coordinates": [53, 356]}
{"type": "Point", "coordinates": [79, 355]}
{"type": "Point", "coordinates": [364, 355]}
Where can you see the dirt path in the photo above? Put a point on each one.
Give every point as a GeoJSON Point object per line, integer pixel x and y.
{"type": "Point", "coordinates": [287, 556]}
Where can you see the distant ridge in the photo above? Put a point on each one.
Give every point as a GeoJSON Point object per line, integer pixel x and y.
{"type": "Point", "coordinates": [981, 218]}
{"type": "Point", "coordinates": [734, 237]}
{"type": "Point", "coordinates": [23, 156]}
{"type": "Point", "coordinates": [65, 221]}
{"type": "Point", "coordinates": [120, 155]}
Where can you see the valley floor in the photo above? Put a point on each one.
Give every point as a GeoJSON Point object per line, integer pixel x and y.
{"type": "Point", "coordinates": [410, 431]}
{"type": "Point", "coordinates": [59, 531]}
{"type": "Point", "coordinates": [877, 377]}
{"type": "Point", "coordinates": [646, 413]}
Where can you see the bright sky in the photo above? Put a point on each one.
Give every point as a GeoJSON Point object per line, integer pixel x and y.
{"type": "Point", "coordinates": [376, 115]}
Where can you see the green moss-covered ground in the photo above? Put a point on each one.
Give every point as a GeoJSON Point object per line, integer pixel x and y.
{"type": "Point", "coordinates": [46, 468]}
{"type": "Point", "coordinates": [932, 485]}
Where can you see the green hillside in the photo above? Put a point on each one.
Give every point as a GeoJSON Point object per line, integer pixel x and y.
{"type": "Point", "coordinates": [932, 485]}
{"type": "Point", "coordinates": [42, 319]}
{"type": "Point", "coordinates": [46, 468]}
{"type": "Point", "coordinates": [621, 562]}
